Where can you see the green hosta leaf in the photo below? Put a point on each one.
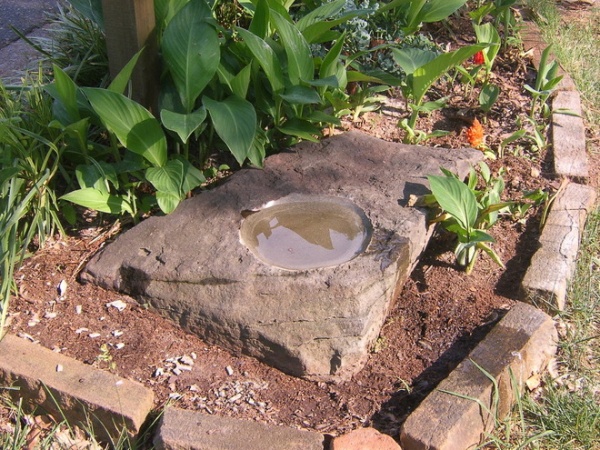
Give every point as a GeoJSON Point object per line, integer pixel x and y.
{"type": "Point", "coordinates": [266, 57]}
{"type": "Point", "coordinates": [183, 124]}
{"type": "Point", "coordinates": [98, 201]}
{"type": "Point", "coordinates": [299, 56]}
{"type": "Point", "coordinates": [234, 120]}
{"type": "Point", "coordinates": [191, 50]}
{"type": "Point", "coordinates": [456, 199]}
{"type": "Point", "coordinates": [132, 124]}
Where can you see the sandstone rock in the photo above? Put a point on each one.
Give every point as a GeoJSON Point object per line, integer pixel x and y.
{"type": "Point", "coordinates": [364, 439]}
{"type": "Point", "coordinates": [316, 323]}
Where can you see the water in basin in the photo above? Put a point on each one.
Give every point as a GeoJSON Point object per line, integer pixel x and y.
{"type": "Point", "coordinates": [306, 232]}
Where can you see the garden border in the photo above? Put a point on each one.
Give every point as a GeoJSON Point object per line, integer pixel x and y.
{"type": "Point", "coordinates": [453, 416]}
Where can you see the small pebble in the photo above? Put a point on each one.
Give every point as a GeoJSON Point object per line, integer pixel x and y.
{"type": "Point", "coordinates": [78, 309]}
{"type": "Point", "coordinates": [59, 368]}
{"type": "Point", "coordinates": [94, 335]}
{"type": "Point", "coordinates": [229, 370]}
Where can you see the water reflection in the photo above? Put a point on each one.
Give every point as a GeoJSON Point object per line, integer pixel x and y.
{"type": "Point", "coordinates": [307, 234]}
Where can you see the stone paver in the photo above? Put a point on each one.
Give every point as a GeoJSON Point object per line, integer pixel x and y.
{"type": "Point", "coordinates": [45, 378]}
{"type": "Point", "coordinates": [546, 280]}
{"type": "Point", "coordinates": [188, 430]}
{"type": "Point", "coordinates": [450, 418]}
{"type": "Point", "coordinates": [364, 439]}
{"type": "Point", "coordinates": [568, 136]}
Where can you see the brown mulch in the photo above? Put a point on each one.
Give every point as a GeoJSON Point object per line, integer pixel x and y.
{"type": "Point", "coordinates": [438, 318]}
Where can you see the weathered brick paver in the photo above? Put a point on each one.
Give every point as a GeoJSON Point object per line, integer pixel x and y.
{"type": "Point", "coordinates": [181, 429]}
{"type": "Point", "coordinates": [49, 381]}
{"type": "Point", "coordinates": [451, 418]}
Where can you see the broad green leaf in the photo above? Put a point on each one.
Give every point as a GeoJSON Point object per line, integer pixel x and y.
{"type": "Point", "coordinates": [168, 178]}
{"type": "Point", "coordinates": [456, 199]}
{"type": "Point", "coordinates": [487, 33]}
{"type": "Point", "coordinates": [329, 66]}
{"type": "Point", "coordinates": [132, 124]}
{"type": "Point", "coordinates": [301, 95]}
{"type": "Point", "coordinates": [167, 201]}
{"type": "Point", "coordinates": [266, 57]}
{"type": "Point", "coordinates": [299, 56]}
{"type": "Point", "coordinates": [488, 96]}
{"type": "Point", "coordinates": [183, 124]}
{"type": "Point", "coordinates": [98, 201]}
{"type": "Point", "coordinates": [165, 10]}
{"type": "Point", "coordinates": [90, 9]}
{"type": "Point", "coordinates": [260, 20]}
{"type": "Point", "coordinates": [96, 175]}
{"type": "Point", "coordinates": [300, 128]}
{"type": "Point", "coordinates": [240, 83]}
{"type": "Point", "coordinates": [191, 51]}
{"type": "Point", "coordinates": [411, 58]}
{"type": "Point", "coordinates": [321, 13]}
{"type": "Point", "coordinates": [66, 91]}
{"type": "Point", "coordinates": [119, 84]}
{"type": "Point", "coordinates": [234, 120]}
{"type": "Point", "coordinates": [192, 177]}
{"type": "Point", "coordinates": [436, 10]}
{"type": "Point", "coordinates": [424, 76]}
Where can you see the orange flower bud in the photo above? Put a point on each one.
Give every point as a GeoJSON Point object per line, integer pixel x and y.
{"type": "Point", "coordinates": [475, 134]}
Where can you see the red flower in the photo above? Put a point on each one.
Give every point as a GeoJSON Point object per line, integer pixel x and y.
{"type": "Point", "coordinates": [478, 58]}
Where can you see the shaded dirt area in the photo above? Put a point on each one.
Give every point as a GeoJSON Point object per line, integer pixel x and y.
{"type": "Point", "coordinates": [440, 315]}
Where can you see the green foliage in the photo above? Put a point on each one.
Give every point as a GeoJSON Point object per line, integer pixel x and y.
{"type": "Point", "coordinates": [412, 14]}
{"type": "Point", "coordinates": [30, 158]}
{"type": "Point", "coordinates": [546, 81]}
{"type": "Point", "coordinates": [423, 69]}
{"type": "Point", "coordinates": [467, 212]}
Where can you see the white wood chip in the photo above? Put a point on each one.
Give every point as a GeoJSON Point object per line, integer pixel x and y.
{"type": "Point", "coordinates": [81, 330]}
{"type": "Point", "coordinates": [94, 335]}
{"type": "Point", "coordinates": [78, 309]}
{"type": "Point", "coordinates": [59, 368]}
{"type": "Point", "coordinates": [120, 305]}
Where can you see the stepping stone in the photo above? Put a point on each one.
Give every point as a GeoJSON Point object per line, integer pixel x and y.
{"type": "Point", "coordinates": [314, 323]}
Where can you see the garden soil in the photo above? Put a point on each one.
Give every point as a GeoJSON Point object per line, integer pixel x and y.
{"type": "Point", "coordinates": [441, 314]}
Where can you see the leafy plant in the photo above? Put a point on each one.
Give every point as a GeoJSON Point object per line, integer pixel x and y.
{"type": "Point", "coordinates": [423, 69]}
{"type": "Point", "coordinates": [30, 158]}
{"type": "Point", "coordinates": [412, 14]}
{"type": "Point", "coordinates": [468, 212]}
{"type": "Point", "coordinates": [546, 81]}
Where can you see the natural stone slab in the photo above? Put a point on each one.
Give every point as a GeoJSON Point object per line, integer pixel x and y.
{"type": "Point", "coordinates": [188, 430]}
{"type": "Point", "coordinates": [364, 439]}
{"type": "Point", "coordinates": [316, 323]}
{"type": "Point", "coordinates": [546, 281]}
{"type": "Point", "coordinates": [451, 418]}
{"type": "Point", "coordinates": [49, 380]}
{"type": "Point", "coordinates": [568, 136]}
